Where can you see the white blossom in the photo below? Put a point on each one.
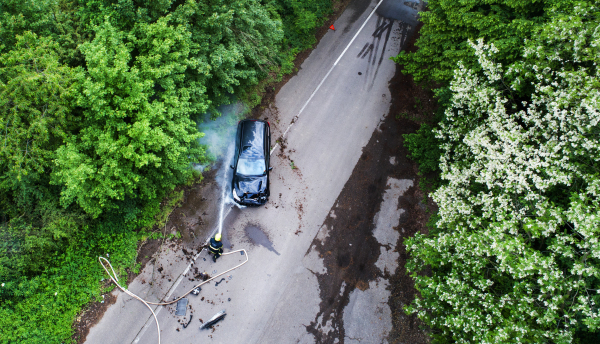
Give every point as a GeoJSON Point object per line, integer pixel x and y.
{"type": "Point", "coordinates": [509, 252]}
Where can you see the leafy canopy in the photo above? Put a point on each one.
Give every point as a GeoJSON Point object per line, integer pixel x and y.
{"type": "Point", "coordinates": [136, 137]}
{"type": "Point", "coordinates": [449, 24]}
{"type": "Point", "coordinates": [515, 254]}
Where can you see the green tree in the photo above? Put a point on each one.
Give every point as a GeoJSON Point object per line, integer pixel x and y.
{"type": "Point", "coordinates": [59, 20]}
{"type": "Point", "coordinates": [136, 138]}
{"type": "Point", "coordinates": [237, 41]}
{"type": "Point", "coordinates": [36, 103]}
{"type": "Point", "coordinates": [299, 20]}
{"type": "Point", "coordinates": [449, 24]}
{"type": "Point", "coordinates": [424, 148]}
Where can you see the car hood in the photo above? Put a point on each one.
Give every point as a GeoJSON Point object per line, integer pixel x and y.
{"type": "Point", "coordinates": [250, 185]}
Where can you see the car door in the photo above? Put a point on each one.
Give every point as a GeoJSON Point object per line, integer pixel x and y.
{"type": "Point", "coordinates": [268, 155]}
{"type": "Point", "coordinates": [238, 142]}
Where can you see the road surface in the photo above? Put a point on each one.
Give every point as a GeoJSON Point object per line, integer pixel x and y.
{"type": "Point", "coordinates": [324, 117]}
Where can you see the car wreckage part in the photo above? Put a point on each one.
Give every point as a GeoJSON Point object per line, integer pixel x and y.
{"type": "Point", "coordinates": [215, 319]}
{"type": "Point", "coordinates": [181, 307]}
{"type": "Point", "coordinates": [189, 322]}
{"type": "Point", "coordinates": [115, 279]}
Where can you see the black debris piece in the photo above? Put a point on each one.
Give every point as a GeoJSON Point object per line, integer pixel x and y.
{"type": "Point", "coordinates": [186, 325]}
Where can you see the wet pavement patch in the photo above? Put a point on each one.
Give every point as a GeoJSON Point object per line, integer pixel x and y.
{"type": "Point", "coordinates": [401, 10]}
{"type": "Point", "coordinates": [258, 237]}
{"type": "Point", "coordinates": [357, 8]}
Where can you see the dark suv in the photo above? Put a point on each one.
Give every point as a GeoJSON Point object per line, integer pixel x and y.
{"type": "Point", "coordinates": [250, 182]}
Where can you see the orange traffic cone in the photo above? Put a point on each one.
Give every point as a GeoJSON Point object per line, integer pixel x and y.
{"type": "Point", "coordinates": [332, 28]}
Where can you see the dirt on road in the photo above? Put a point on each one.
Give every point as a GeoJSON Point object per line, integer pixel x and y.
{"type": "Point", "coordinates": [350, 251]}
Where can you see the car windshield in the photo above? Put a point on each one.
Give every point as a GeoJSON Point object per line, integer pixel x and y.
{"type": "Point", "coordinates": [251, 167]}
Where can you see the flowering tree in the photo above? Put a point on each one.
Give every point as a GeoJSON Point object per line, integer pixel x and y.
{"type": "Point", "coordinates": [515, 255]}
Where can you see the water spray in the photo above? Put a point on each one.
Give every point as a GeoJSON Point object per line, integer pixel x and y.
{"type": "Point", "coordinates": [225, 194]}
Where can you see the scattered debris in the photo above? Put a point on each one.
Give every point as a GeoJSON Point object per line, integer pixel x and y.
{"type": "Point", "coordinates": [217, 283]}
{"type": "Point", "coordinates": [186, 325]}
{"type": "Point", "coordinates": [196, 291]}
{"type": "Point", "coordinates": [215, 319]}
{"type": "Point", "coordinates": [202, 276]}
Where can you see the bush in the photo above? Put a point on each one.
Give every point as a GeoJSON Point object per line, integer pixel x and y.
{"type": "Point", "coordinates": [423, 147]}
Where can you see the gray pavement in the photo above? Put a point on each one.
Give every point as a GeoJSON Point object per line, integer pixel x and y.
{"type": "Point", "coordinates": [275, 296]}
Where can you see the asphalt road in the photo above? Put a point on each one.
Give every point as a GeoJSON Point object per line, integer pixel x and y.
{"type": "Point", "coordinates": [328, 113]}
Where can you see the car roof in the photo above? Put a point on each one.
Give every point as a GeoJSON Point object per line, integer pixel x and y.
{"type": "Point", "coordinates": [252, 140]}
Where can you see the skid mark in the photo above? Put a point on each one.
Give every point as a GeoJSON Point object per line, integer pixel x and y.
{"type": "Point", "coordinates": [374, 51]}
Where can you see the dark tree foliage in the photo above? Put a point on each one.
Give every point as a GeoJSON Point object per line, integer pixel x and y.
{"type": "Point", "coordinates": [449, 24]}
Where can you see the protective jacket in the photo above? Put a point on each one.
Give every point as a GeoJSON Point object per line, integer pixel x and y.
{"type": "Point", "coordinates": [215, 247]}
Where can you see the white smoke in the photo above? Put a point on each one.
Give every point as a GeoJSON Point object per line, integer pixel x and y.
{"type": "Point", "coordinates": [219, 134]}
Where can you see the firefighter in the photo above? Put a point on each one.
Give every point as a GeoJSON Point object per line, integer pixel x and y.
{"type": "Point", "coordinates": [216, 246]}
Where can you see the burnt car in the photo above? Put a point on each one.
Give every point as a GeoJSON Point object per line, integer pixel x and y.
{"type": "Point", "coordinates": [250, 182]}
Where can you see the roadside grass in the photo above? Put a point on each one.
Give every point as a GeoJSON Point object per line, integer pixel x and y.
{"type": "Point", "coordinates": [45, 306]}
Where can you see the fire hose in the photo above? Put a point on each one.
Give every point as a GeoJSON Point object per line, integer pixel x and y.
{"type": "Point", "coordinates": [115, 279]}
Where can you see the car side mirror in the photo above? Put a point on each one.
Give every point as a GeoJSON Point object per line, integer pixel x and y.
{"type": "Point", "coordinates": [231, 166]}
{"type": "Point", "coordinates": [270, 168]}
